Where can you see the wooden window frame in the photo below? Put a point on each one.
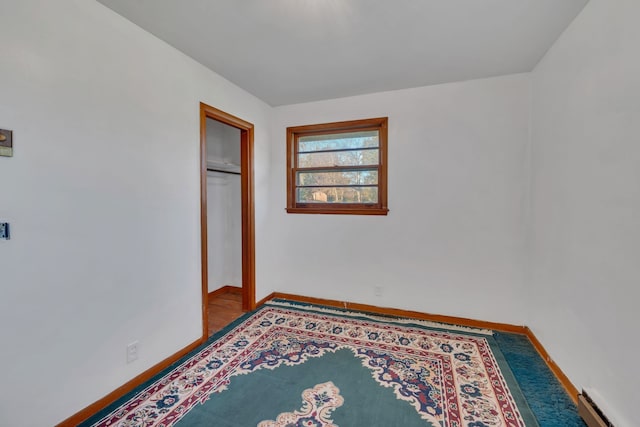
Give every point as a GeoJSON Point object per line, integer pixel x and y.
{"type": "Point", "coordinates": [294, 133]}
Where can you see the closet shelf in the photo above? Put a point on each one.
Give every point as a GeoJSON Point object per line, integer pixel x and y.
{"type": "Point", "coordinates": [223, 167]}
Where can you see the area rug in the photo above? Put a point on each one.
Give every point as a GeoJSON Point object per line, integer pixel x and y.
{"type": "Point", "coordinates": [288, 365]}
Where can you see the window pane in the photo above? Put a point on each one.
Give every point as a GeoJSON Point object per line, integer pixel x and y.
{"type": "Point", "coordinates": [338, 178]}
{"type": "Point", "coordinates": [337, 195]}
{"type": "Point", "coordinates": [337, 168]}
{"type": "Point", "coordinates": [339, 141]}
{"type": "Point", "coordinates": [339, 158]}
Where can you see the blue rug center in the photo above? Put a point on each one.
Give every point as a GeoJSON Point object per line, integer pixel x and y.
{"type": "Point", "coordinates": [264, 394]}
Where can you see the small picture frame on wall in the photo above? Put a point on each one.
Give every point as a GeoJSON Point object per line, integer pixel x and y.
{"type": "Point", "coordinates": [6, 143]}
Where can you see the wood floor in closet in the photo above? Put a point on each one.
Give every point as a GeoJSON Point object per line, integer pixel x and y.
{"type": "Point", "coordinates": [224, 307]}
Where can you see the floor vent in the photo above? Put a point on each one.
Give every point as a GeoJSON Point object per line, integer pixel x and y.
{"type": "Point", "coordinates": [590, 413]}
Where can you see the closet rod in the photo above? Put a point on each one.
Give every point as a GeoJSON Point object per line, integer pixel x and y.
{"type": "Point", "coordinates": [223, 171]}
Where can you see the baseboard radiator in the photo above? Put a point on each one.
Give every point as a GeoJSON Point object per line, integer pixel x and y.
{"type": "Point", "coordinates": [590, 413]}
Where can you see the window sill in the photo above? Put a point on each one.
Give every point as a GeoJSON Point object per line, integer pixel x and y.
{"type": "Point", "coordinates": [339, 211]}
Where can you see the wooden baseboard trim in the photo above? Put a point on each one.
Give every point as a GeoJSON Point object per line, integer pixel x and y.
{"type": "Point", "coordinates": [269, 297]}
{"type": "Point", "coordinates": [571, 390]}
{"type": "Point", "coordinates": [116, 394]}
{"type": "Point", "coordinates": [225, 289]}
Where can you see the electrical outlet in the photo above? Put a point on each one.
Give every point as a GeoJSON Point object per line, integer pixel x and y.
{"type": "Point", "coordinates": [377, 290]}
{"type": "Point", "coordinates": [4, 230]}
{"type": "Point", "coordinates": [132, 352]}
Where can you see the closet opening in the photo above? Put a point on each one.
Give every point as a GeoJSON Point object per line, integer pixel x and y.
{"type": "Point", "coordinates": [227, 216]}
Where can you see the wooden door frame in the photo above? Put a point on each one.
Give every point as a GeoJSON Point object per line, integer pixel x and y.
{"type": "Point", "coordinates": [248, 210]}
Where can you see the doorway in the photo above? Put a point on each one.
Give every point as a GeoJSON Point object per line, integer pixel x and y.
{"type": "Point", "coordinates": [208, 113]}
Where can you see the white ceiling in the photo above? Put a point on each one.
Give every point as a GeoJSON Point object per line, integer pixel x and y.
{"type": "Point", "coordinates": [291, 51]}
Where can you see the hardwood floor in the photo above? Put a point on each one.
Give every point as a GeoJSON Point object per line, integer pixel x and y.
{"type": "Point", "coordinates": [225, 306]}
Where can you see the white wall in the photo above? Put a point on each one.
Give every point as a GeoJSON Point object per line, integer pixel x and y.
{"type": "Point", "coordinates": [224, 208]}
{"type": "Point", "coordinates": [103, 198]}
{"type": "Point", "coordinates": [224, 230]}
{"type": "Point", "coordinates": [453, 241]}
{"type": "Point", "coordinates": [585, 242]}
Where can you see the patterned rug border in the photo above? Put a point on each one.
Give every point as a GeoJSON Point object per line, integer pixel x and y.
{"type": "Point", "coordinates": [500, 359]}
{"type": "Point", "coordinates": [527, 414]}
{"type": "Point", "coordinates": [131, 394]}
{"type": "Point", "coordinates": [526, 411]}
{"type": "Point", "coordinates": [377, 317]}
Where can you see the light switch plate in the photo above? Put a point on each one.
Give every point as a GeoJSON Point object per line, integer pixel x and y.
{"type": "Point", "coordinates": [4, 230]}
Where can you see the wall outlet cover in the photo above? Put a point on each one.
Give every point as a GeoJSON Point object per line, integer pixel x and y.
{"type": "Point", "coordinates": [132, 352]}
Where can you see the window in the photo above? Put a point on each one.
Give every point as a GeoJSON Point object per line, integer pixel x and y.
{"type": "Point", "coordinates": [338, 168]}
